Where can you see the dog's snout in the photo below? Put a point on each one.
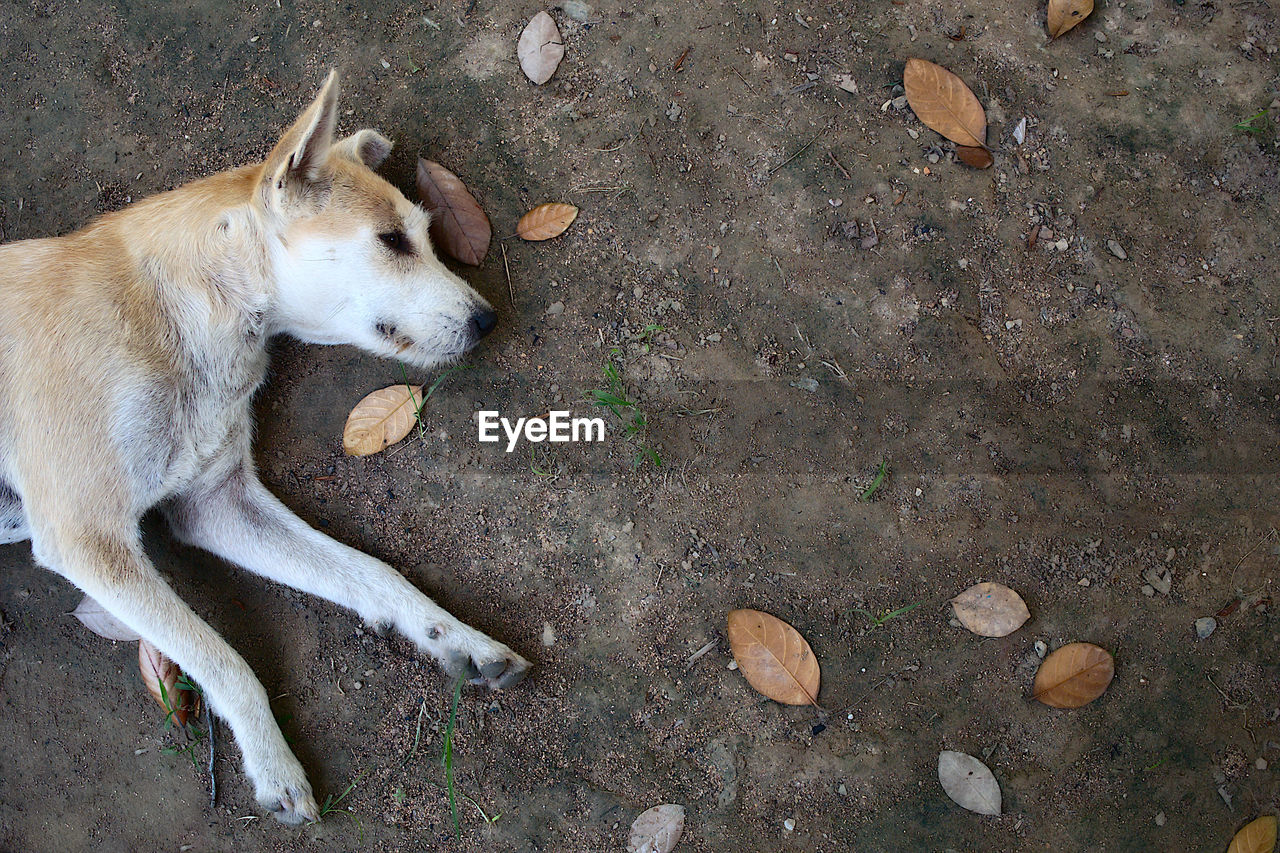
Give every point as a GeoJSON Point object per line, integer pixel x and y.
{"type": "Point", "coordinates": [482, 322]}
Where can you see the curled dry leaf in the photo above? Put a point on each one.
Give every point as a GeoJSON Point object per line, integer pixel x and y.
{"type": "Point", "coordinates": [157, 669]}
{"type": "Point", "coordinates": [381, 419]}
{"type": "Point", "coordinates": [546, 221]}
{"type": "Point", "coordinates": [1065, 14]}
{"type": "Point", "coordinates": [656, 830]}
{"type": "Point", "coordinates": [978, 158]}
{"type": "Point", "coordinates": [774, 657]}
{"type": "Point", "coordinates": [942, 101]}
{"type": "Point", "coordinates": [540, 48]}
{"type": "Point", "coordinates": [1074, 675]}
{"type": "Point", "coordinates": [99, 621]}
{"type": "Point", "coordinates": [969, 782]}
{"type": "Point", "coordinates": [458, 223]}
{"type": "Point", "coordinates": [1257, 836]}
{"type": "Point", "coordinates": [990, 609]}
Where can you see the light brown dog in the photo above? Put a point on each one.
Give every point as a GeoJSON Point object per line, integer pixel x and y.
{"type": "Point", "coordinates": [169, 304]}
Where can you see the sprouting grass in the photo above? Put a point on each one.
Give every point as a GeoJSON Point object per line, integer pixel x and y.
{"type": "Point", "coordinates": [877, 482]}
{"type": "Point", "coordinates": [877, 621]}
{"type": "Point", "coordinates": [431, 389]}
{"type": "Point", "coordinates": [634, 420]}
{"type": "Point", "coordinates": [1255, 123]}
{"type": "Point", "coordinates": [193, 732]}
{"type": "Point", "coordinates": [446, 756]}
{"type": "Point", "coordinates": [331, 805]}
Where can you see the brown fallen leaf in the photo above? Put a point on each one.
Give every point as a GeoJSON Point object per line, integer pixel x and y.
{"type": "Point", "coordinates": [95, 617]}
{"type": "Point", "coordinates": [458, 223]}
{"type": "Point", "coordinates": [1257, 836]}
{"type": "Point", "coordinates": [773, 656]}
{"type": "Point", "coordinates": [540, 48]}
{"type": "Point", "coordinates": [381, 419]}
{"type": "Point", "coordinates": [157, 669]}
{"type": "Point", "coordinates": [969, 782]}
{"type": "Point", "coordinates": [1074, 675]}
{"type": "Point", "coordinates": [546, 221]}
{"type": "Point", "coordinates": [978, 158]}
{"type": "Point", "coordinates": [656, 830]}
{"type": "Point", "coordinates": [1065, 14]}
{"type": "Point", "coordinates": [990, 609]}
{"type": "Point", "coordinates": [943, 102]}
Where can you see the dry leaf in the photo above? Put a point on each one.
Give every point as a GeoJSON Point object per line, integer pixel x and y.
{"type": "Point", "coordinates": [381, 419]}
{"type": "Point", "coordinates": [540, 48]}
{"type": "Point", "coordinates": [102, 623]}
{"type": "Point", "coordinates": [157, 669]}
{"type": "Point", "coordinates": [458, 223]}
{"type": "Point", "coordinates": [942, 101]}
{"type": "Point", "coordinates": [1257, 836]}
{"type": "Point", "coordinates": [978, 158]}
{"type": "Point", "coordinates": [774, 657]}
{"type": "Point", "coordinates": [990, 609]}
{"type": "Point", "coordinates": [657, 829]}
{"type": "Point", "coordinates": [969, 782]}
{"type": "Point", "coordinates": [1074, 675]}
{"type": "Point", "coordinates": [546, 221]}
{"type": "Point", "coordinates": [1065, 14]}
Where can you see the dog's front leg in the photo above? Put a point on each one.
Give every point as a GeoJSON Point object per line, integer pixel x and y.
{"type": "Point", "coordinates": [113, 570]}
{"type": "Point", "coordinates": [235, 517]}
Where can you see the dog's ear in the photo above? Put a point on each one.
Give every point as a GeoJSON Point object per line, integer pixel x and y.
{"type": "Point", "coordinates": [298, 159]}
{"type": "Point", "coordinates": [364, 146]}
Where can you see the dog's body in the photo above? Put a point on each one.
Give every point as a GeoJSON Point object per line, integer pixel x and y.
{"type": "Point", "coordinates": [129, 355]}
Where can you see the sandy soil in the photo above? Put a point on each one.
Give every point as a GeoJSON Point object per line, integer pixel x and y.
{"type": "Point", "coordinates": [1055, 418]}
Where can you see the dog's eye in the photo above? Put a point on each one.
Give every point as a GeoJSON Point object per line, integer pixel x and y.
{"type": "Point", "coordinates": [396, 241]}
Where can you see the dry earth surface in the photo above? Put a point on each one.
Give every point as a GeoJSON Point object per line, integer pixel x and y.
{"type": "Point", "coordinates": [833, 291]}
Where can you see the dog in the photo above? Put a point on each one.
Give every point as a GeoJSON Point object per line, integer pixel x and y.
{"type": "Point", "coordinates": [165, 308]}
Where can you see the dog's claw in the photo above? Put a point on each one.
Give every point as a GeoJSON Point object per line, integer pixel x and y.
{"type": "Point", "coordinates": [292, 808]}
{"type": "Point", "coordinates": [496, 674]}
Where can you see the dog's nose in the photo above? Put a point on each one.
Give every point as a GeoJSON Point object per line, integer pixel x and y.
{"type": "Point", "coordinates": [482, 322]}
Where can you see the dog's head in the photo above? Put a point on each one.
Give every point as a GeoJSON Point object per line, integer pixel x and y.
{"type": "Point", "coordinates": [352, 260]}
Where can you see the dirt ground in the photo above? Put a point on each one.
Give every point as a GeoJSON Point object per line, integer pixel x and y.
{"type": "Point", "coordinates": [833, 291]}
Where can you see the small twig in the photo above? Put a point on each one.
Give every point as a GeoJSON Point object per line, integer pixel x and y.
{"type": "Point", "coordinates": [680, 61]}
{"type": "Point", "coordinates": [511, 291]}
{"type": "Point", "coordinates": [696, 656]}
{"type": "Point", "coordinates": [744, 80]}
{"type": "Point", "coordinates": [839, 166]}
{"type": "Point", "coordinates": [803, 149]}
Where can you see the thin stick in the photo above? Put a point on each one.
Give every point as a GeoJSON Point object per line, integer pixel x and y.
{"type": "Point", "coordinates": [803, 149]}
{"type": "Point", "coordinates": [511, 292]}
{"type": "Point", "coordinates": [839, 166]}
{"type": "Point", "coordinates": [213, 782]}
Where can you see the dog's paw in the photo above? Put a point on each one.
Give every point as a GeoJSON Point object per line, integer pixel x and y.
{"type": "Point", "coordinates": [496, 668]}
{"type": "Point", "coordinates": [287, 795]}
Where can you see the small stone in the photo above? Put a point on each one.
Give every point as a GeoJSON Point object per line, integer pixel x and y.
{"type": "Point", "coordinates": [358, 685]}
{"type": "Point", "coordinates": [1162, 581]}
{"type": "Point", "coordinates": [1148, 590]}
{"type": "Point", "coordinates": [1042, 649]}
{"type": "Point", "coordinates": [933, 158]}
{"type": "Point", "coordinates": [900, 103]}
{"type": "Point", "coordinates": [843, 791]}
{"type": "Point", "coordinates": [1160, 819]}
{"type": "Point", "coordinates": [1261, 764]}
{"type": "Point", "coordinates": [789, 824]}
{"type": "Point", "coordinates": [806, 384]}
{"type": "Point", "coordinates": [555, 308]}
{"type": "Point", "coordinates": [1062, 245]}
{"type": "Point", "coordinates": [1117, 250]}
{"type": "Point", "coordinates": [1082, 582]}
{"type": "Point", "coordinates": [1020, 132]}
{"type": "Point", "coordinates": [733, 664]}
{"type": "Point", "coordinates": [576, 10]}
{"type": "Point", "coordinates": [913, 133]}
{"type": "Point", "coordinates": [1205, 626]}
{"type": "Point", "coordinates": [1102, 39]}
{"type": "Point", "coordinates": [369, 673]}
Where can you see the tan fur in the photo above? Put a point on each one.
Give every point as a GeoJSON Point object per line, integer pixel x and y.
{"type": "Point", "coordinates": [129, 355]}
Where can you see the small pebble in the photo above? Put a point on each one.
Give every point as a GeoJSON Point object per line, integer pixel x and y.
{"type": "Point", "coordinates": [555, 308]}
{"type": "Point", "coordinates": [358, 685]}
{"type": "Point", "coordinates": [1117, 250]}
{"type": "Point", "coordinates": [1062, 245]}
{"type": "Point", "coordinates": [1082, 582]}
{"type": "Point", "coordinates": [1102, 38]}
{"type": "Point", "coordinates": [788, 824]}
{"type": "Point", "coordinates": [733, 664]}
{"type": "Point", "coordinates": [1020, 132]}
{"type": "Point", "coordinates": [1160, 819]}
{"type": "Point", "coordinates": [1148, 590]}
{"type": "Point", "coordinates": [1205, 626]}
{"type": "Point", "coordinates": [1261, 764]}
{"type": "Point", "coordinates": [1042, 648]}
{"type": "Point", "coordinates": [842, 790]}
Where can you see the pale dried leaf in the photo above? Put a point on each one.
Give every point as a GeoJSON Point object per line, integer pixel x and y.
{"type": "Point", "coordinates": [95, 617]}
{"type": "Point", "coordinates": [773, 656]}
{"type": "Point", "coordinates": [990, 609]}
{"type": "Point", "coordinates": [156, 668]}
{"type": "Point", "coordinates": [1065, 14]}
{"type": "Point", "coordinates": [1074, 675]}
{"type": "Point", "coordinates": [458, 223]}
{"type": "Point", "coordinates": [540, 48]}
{"type": "Point", "coordinates": [546, 221]}
{"type": "Point", "coordinates": [942, 101]}
{"type": "Point", "coordinates": [656, 830]}
{"type": "Point", "coordinates": [381, 419]}
{"type": "Point", "coordinates": [1257, 836]}
{"type": "Point", "coordinates": [969, 782]}
{"type": "Point", "coordinates": [978, 158]}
